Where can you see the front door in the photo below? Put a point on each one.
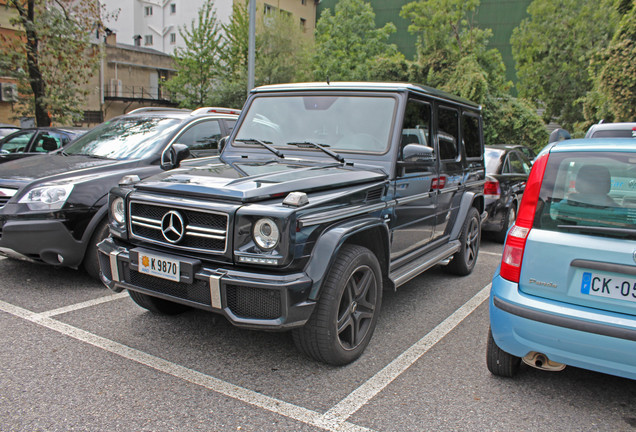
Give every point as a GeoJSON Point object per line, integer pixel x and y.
{"type": "Point", "coordinates": [414, 218]}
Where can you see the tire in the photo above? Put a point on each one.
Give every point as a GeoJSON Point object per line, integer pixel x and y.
{"type": "Point", "coordinates": [346, 314]}
{"type": "Point", "coordinates": [499, 362]}
{"type": "Point", "coordinates": [509, 220]}
{"type": "Point", "coordinates": [464, 260]}
{"type": "Point", "coordinates": [91, 257]}
{"type": "Point", "coordinates": [157, 305]}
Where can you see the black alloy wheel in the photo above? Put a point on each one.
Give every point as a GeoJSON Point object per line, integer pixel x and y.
{"type": "Point", "coordinates": [346, 314]}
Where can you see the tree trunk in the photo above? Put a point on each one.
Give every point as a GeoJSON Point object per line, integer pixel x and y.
{"type": "Point", "coordinates": [36, 80]}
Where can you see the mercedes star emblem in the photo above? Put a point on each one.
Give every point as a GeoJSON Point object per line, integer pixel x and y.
{"type": "Point", "coordinates": [172, 226]}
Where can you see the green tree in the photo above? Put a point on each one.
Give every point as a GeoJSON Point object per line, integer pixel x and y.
{"type": "Point", "coordinates": [198, 64]}
{"type": "Point", "coordinates": [281, 54]}
{"type": "Point", "coordinates": [453, 55]}
{"type": "Point", "coordinates": [52, 57]}
{"type": "Point", "coordinates": [553, 48]}
{"type": "Point", "coordinates": [347, 43]}
{"type": "Point", "coordinates": [613, 72]}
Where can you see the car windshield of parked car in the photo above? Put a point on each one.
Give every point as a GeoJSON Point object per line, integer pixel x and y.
{"type": "Point", "coordinates": [346, 124]}
{"type": "Point", "coordinates": [124, 138]}
{"type": "Point", "coordinates": [589, 193]}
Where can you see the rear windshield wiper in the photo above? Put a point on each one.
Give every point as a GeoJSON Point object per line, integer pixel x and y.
{"type": "Point", "coordinates": [322, 147]}
{"type": "Point", "coordinates": [601, 230]}
{"type": "Point", "coordinates": [265, 144]}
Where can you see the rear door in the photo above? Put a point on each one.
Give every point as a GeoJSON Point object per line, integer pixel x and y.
{"type": "Point", "coordinates": [582, 248]}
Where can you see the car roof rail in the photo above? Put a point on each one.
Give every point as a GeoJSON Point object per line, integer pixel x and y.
{"type": "Point", "coordinates": [157, 109]}
{"type": "Point", "coordinates": [215, 110]}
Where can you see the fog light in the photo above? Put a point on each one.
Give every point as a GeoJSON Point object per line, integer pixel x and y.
{"type": "Point", "coordinates": [258, 260]}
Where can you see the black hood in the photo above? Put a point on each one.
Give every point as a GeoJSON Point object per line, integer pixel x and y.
{"type": "Point", "coordinates": [253, 181]}
{"type": "Point", "coordinates": [56, 167]}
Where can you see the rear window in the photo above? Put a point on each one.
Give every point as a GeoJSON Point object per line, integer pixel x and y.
{"type": "Point", "coordinates": [616, 133]}
{"type": "Point", "coordinates": [589, 193]}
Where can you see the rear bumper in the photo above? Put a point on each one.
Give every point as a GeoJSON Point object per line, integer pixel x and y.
{"type": "Point", "coordinates": [577, 336]}
{"type": "Point", "coordinates": [246, 299]}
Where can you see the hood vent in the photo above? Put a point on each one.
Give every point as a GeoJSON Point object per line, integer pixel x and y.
{"type": "Point", "coordinates": [374, 194]}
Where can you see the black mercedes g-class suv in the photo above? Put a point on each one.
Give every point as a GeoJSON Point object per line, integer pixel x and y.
{"type": "Point", "coordinates": [324, 195]}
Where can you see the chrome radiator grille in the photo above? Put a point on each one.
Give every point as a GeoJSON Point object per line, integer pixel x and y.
{"type": "Point", "coordinates": [184, 228]}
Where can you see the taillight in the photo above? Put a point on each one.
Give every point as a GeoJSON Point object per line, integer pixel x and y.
{"type": "Point", "coordinates": [518, 234]}
{"type": "Point", "coordinates": [492, 188]}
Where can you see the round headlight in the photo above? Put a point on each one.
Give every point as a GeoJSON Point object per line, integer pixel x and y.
{"type": "Point", "coordinates": [117, 211]}
{"type": "Point", "coordinates": [266, 234]}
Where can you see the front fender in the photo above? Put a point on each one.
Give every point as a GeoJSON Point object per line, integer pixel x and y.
{"type": "Point", "coordinates": [469, 199]}
{"type": "Point", "coordinates": [326, 248]}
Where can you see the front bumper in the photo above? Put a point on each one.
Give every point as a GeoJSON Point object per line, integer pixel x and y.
{"type": "Point", "coordinates": [246, 299]}
{"type": "Point", "coordinates": [47, 241]}
{"type": "Point", "coordinates": [577, 336]}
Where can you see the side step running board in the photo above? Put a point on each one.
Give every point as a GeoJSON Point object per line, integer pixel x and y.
{"type": "Point", "coordinates": [403, 274]}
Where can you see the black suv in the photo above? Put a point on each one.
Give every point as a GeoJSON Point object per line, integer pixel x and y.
{"type": "Point", "coordinates": [53, 207]}
{"type": "Point", "coordinates": [325, 194]}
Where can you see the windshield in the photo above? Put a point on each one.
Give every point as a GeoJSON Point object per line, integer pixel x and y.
{"type": "Point", "coordinates": [589, 193]}
{"type": "Point", "coordinates": [124, 138]}
{"type": "Point", "coordinates": [340, 123]}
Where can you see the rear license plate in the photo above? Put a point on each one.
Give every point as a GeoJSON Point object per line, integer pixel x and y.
{"type": "Point", "coordinates": [159, 266]}
{"type": "Point", "coordinates": [600, 285]}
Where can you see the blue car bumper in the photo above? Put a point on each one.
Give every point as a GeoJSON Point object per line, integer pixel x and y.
{"type": "Point", "coordinates": [577, 336]}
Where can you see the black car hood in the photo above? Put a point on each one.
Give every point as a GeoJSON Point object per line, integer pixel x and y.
{"type": "Point", "coordinates": [252, 181]}
{"type": "Point", "coordinates": [55, 167]}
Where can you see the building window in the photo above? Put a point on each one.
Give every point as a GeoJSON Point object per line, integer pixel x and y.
{"type": "Point", "coordinates": [173, 9]}
{"type": "Point", "coordinates": [267, 9]}
{"type": "Point", "coordinates": [303, 2]}
{"type": "Point", "coordinates": [148, 11]}
{"type": "Point", "coordinates": [148, 40]}
{"type": "Point", "coordinates": [173, 38]}
{"type": "Point", "coordinates": [303, 25]}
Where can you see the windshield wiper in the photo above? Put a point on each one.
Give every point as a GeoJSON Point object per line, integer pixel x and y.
{"type": "Point", "coordinates": [265, 144]}
{"type": "Point", "coordinates": [601, 230]}
{"type": "Point", "coordinates": [321, 147]}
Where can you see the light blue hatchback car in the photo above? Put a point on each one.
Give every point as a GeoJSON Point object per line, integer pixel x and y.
{"type": "Point", "coordinates": [565, 292]}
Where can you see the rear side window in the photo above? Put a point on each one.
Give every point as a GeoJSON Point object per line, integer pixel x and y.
{"type": "Point", "coordinates": [448, 133]}
{"type": "Point", "coordinates": [589, 193]}
{"type": "Point", "coordinates": [470, 136]}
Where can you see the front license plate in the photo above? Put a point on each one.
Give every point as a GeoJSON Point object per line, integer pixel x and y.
{"type": "Point", "coordinates": [159, 266]}
{"type": "Point", "coordinates": [600, 285]}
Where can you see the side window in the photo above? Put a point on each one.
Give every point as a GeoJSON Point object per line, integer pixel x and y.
{"type": "Point", "coordinates": [202, 138]}
{"type": "Point", "coordinates": [17, 143]}
{"type": "Point", "coordinates": [230, 125]}
{"type": "Point", "coordinates": [448, 133]}
{"type": "Point", "coordinates": [471, 135]}
{"type": "Point", "coordinates": [517, 165]}
{"type": "Point", "coordinates": [506, 166]}
{"type": "Point", "coordinates": [416, 125]}
{"type": "Point", "coordinates": [47, 141]}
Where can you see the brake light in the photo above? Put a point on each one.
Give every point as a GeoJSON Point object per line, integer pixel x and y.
{"type": "Point", "coordinates": [492, 189]}
{"type": "Point", "coordinates": [518, 234]}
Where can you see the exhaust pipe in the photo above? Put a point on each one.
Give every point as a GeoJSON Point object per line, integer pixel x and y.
{"type": "Point", "coordinates": [541, 361]}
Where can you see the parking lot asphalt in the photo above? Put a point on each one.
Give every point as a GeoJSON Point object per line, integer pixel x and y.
{"type": "Point", "coordinates": [78, 357]}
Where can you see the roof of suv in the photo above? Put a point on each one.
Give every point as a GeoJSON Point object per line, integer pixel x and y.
{"type": "Point", "coordinates": [370, 86]}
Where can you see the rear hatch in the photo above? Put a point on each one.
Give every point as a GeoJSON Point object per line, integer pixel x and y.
{"type": "Point", "coordinates": [582, 247]}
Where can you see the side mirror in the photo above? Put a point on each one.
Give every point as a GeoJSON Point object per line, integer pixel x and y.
{"type": "Point", "coordinates": [171, 158]}
{"type": "Point", "coordinates": [222, 143]}
{"type": "Point", "coordinates": [417, 153]}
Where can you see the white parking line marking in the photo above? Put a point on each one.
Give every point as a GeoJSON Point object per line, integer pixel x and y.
{"type": "Point", "coordinates": [333, 420]}
{"type": "Point", "coordinates": [82, 305]}
{"type": "Point", "coordinates": [498, 254]}
{"type": "Point", "coordinates": [274, 405]}
{"type": "Point", "coordinates": [363, 394]}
